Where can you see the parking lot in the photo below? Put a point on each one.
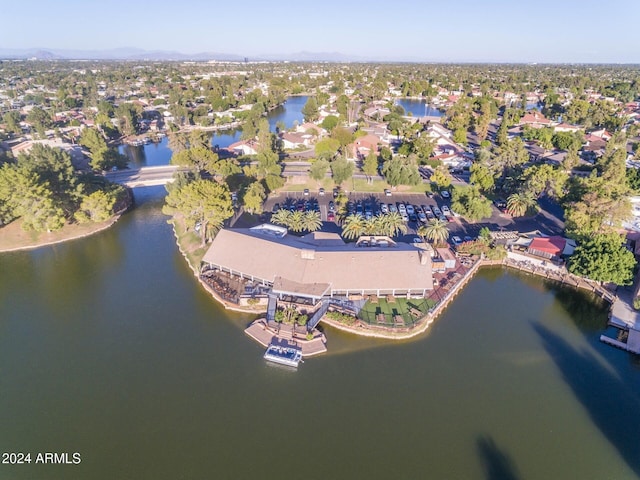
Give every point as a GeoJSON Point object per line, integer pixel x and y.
{"type": "Point", "coordinates": [545, 221]}
{"type": "Point", "coordinates": [374, 200]}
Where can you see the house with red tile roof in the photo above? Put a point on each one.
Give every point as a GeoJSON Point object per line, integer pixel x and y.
{"type": "Point", "coordinates": [547, 247]}
{"type": "Point", "coordinates": [535, 119]}
{"type": "Point", "coordinates": [365, 145]}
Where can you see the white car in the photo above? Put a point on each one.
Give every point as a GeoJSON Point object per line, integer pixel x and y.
{"type": "Point", "coordinates": [445, 210]}
{"type": "Point", "coordinates": [402, 208]}
{"type": "Point", "coordinates": [383, 208]}
{"type": "Point", "coordinates": [445, 194]}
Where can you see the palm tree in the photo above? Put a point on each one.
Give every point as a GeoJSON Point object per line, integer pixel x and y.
{"type": "Point", "coordinates": [436, 231]}
{"type": "Point", "coordinates": [296, 221]}
{"type": "Point", "coordinates": [312, 221]}
{"type": "Point", "coordinates": [281, 217]}
{"type": "Point", "coordinates": [519, 203]}
{"type": "Point", "coordinates": [392, 224]}
{"type": "Point", "coordinates": [354, 226]}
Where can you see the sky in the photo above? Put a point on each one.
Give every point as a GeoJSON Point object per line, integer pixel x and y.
{"type": "Point", "coordinates": [544, 31]}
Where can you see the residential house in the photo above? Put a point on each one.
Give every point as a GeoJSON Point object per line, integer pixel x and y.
{"type": "Point", "coordinates": [365, 145]}
{"type": "Point", "coordinates": [295, 140]}
{"type": "Point", "coordinates": [244, 147]}
{"type": "Point", "coordinates": [535, 120]}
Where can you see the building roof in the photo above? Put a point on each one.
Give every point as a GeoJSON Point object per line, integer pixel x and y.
{"type": "Point", "coordinates": [550, 245]}
{"type": "Point", "coordinates": [319, 260]}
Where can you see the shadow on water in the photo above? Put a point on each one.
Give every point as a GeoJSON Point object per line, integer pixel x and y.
{"type": "Point", "coordinates": [588, 311]}
{"type": "Point", "coordinates": [497, 464]}
{"type": "Point", "coordinates": [612, 405]}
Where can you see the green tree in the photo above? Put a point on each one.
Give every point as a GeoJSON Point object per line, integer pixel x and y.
{"type": "Point", "coordinates": [460, 136]}
{"type": "Point", "coordinates": [470, 203]}
{"type": "Point", "coordinates": [310, 110]}
{"type": "Point", "coordinates": [330, 122]}
{"type": "Point", "coordinates": [312, 221]}
{"type": "Point", "coordinates": [203, 204]}
{"type": "Point", "coordinates": [544, 180]}
{"type": "Point", "coordinates": [436, 231]}
{"type": "Point", "coordinates": [40, 120]}
{"type": "Point", "coordinates": [401, 171]}
{"type": "Point", "coordinates": [96, 207]}
{"type": "Point", "coordinates": [11, 121]}
{"type": "Point", "coordinates": [604, 258]}
{"type": "Point", "coordinates": [482, 177]}
{"type": "Point", "coordinates": [343, 136]}
{"type": "Point", "coordinates": [327, 148]}
{"type": "Point", "coordinates": [370, 165]}
{"type": "Point", "coordinates": [354, 226]}
{"type": "Point", "coordinates": [254, 198]}
{"type": "Point", "coordinates": [319, 169]}
{"type": "Point", "coordinates": [341, 170]}
{"type": "Point", "coordinates": [390, 224]}
{"type": "Point", "coordinates": [441, 177]}
{"type": "Point", "coordinates": [519, 203]}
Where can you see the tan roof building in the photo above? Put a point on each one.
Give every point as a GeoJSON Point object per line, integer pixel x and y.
{"type": "Point", "coordinates": [320, 264]}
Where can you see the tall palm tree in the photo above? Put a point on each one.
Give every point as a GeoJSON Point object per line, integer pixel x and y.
{"type": "Point", "coordinates": [392, 224]}
{"type": "Point", "coordinates": [312, 221]}
{"type": "Point", "coordinates": [281, 217]}
{"type": "Point", "coordinates": [354, 226]}
{"type": "Point", "coordinates": [296, 221]}
{"type": "Point", "coordinates": [436, 231]}
{"type": "Point", "coordinates": [519, 203]}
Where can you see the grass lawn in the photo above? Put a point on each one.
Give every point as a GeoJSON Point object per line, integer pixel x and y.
{"type": "Point", "coordinates": [190, 243]}
{"type": "Point", "coordinates": [13, 237]}
{"type": "Point", "coordinates": [401, 307]}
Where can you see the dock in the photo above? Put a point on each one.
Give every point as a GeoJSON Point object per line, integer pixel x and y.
{"type": "Point", "coordinates": [271, 333]}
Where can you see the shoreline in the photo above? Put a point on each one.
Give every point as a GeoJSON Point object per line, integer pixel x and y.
{"type": "Point", "coordinates": [99, 227]}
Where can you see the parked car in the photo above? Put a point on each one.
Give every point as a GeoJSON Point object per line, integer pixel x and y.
{"type": "Point", "coordinates": [331, 217]}
{"type": "Point", "coordinates": [402, 208]}
{"type": "Point", "coordinates": [383, 208]}
{"type": "Point", "coordinates": [456, 240]}
{"type": "Point", "coordinates": [410, 210]}
{"type": "Point", "coordinates": [336, 191]}
{"type": "Point", "coordinates": [422, 217]}
{"type": "Point", "coordinates": [321, 192]}
{"type": "Point", "coordinates": [332, 206]}
{"type": "Point", "coordinates": [275, 208]}
{"type": "Point", "coordinates": [387, 192]}
{"type": "Point", "coordinates": [393, 208]}
{"type": "Point", "coordinates": [446, 211]}
{"type": "Point", "coordinates": [430, 194]}
{"type": "Point", "coordinates": [306, 192]}
{"type": "Point", "coordinates": [445, 194]}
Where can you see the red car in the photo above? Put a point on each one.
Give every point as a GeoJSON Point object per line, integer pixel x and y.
{"type": "Point", "coordinates": [331, 217]}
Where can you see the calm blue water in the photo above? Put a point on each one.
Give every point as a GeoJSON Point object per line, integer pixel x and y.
{"type": "Point", "coordinates": [289, 113]}
{"type": "Point", "coordinates": [149, 155]}
{"type": "Point", "coordinates": [154, 154]}
{"type": "Point", "coordinates": [418, 108]}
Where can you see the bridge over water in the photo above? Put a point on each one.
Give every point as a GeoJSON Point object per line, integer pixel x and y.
{"type": "Point", "coordinates": [144, 176]}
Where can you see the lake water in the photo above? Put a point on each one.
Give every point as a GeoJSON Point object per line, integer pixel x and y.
{"type": "Point", "coordinates": [109, 347]}
{"type": "Point", "coordinates": [154, 154]}
{"type": "Point", "coordinates": [418, 108]}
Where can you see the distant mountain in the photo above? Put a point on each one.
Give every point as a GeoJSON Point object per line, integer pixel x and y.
{"type": "Point", "coordinates": [129, 53]}
{"type": "Point", "coordinates": [124, 53]}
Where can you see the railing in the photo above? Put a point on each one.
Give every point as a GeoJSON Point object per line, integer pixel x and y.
{"type": "Point", "coordinates": [315, 319]}
{"type": "Point", "coordinates": [271, 308]}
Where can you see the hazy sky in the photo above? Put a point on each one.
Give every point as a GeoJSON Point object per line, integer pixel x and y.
{"type": "Point", "coordinates": [444, 30]}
